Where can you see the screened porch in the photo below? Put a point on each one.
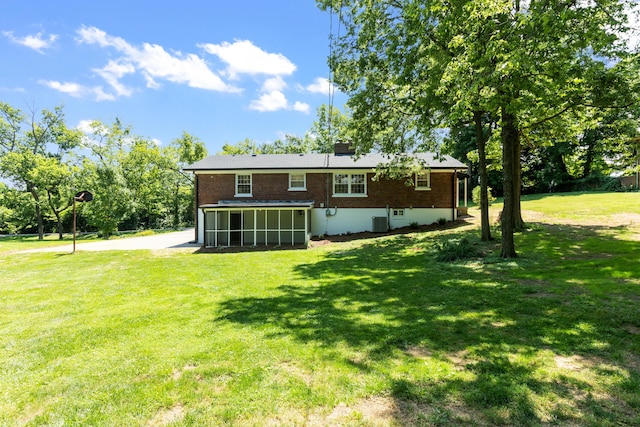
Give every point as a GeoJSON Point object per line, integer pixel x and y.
{"type": "Point", "coordinates": [261, 225]}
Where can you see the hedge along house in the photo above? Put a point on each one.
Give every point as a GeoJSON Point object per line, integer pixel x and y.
{"type": "Point", "coordinates": [285, 199]}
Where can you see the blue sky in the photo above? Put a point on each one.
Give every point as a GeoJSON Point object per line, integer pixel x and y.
{"type": "Point", "coordinates": [220, 70]}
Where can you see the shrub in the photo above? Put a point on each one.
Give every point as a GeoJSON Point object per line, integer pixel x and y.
{"type": "Point", "coordinates": [414, 225]}
{"type": "Point", "coordinates": [455, 249]}
{"type": "Point", "coordinates": [442, 221]}
{"type": "Point", "coordinates": [475, 195]}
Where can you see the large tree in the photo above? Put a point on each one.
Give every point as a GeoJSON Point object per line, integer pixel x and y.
{"type": "Point", "coordinates": [34, 155]}
{"type": "Point", "coordinates": [411, 66]}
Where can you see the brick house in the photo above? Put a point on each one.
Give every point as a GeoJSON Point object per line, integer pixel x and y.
{"type": "Point", "coordinates": [284, 199]}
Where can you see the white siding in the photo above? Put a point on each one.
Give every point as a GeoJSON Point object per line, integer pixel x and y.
{"type": "Point", "coordinates": [351, 220]}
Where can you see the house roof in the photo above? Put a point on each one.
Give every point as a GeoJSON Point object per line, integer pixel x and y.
{"type": "Point", "coordinates": [261, 204]}
{"type": "Point", "coordinates": [313, 161]}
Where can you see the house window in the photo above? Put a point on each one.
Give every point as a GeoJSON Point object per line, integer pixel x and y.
{"type": "Point", "coordinates": [398, 213]}
{"type": "Point", "coordinates": [423, 181]}
{"type": "Point", "coordinates": [349, 184]}
{"type": "Point", "coordinates": [357, 184]}
{"type": "Point", "coordinates": [297, 182]}
{"type": "Point", "coordinates": [243, 185]}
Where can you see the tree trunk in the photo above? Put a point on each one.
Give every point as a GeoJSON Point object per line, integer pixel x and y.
{"type": "Point", "coordinates": [57, 213]}
{"type": "Point", "coordinates": [36, 198]}
{"type": "Point", "coordinates": [509, 138]}
{"type": "Point", "coordinates": [590, 154]}
{"type": "Point", "coordinates": [484, 179]}
{"type": "Point", "coordinates": [518, 222]}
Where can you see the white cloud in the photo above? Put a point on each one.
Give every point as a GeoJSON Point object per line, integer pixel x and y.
{"type": "Point", "coordinates": [271, 101]}
{"type": "Point", "coordinates": [113, 72]}
{"type": "Point", "coordinates": [302, 107]}
{"type": "Point", "coordinates": [632, 37]}
{"type": "Point", "coordinates": [72, 89]}
{"type": "Point", "coordinates": [153, 63]}
{"type": "Point", "coordinates": [243, 57]}
{"type": "Point", "coordinates": [77, 90]}
{"type": "Point", "coordinates": [36, 42]}
{"type": "Point", "coordinates": [321, 85]}
{"type": "Point", "coordinates": [274, 84]}
{"type": "Point", "coordinates": [85, 126]}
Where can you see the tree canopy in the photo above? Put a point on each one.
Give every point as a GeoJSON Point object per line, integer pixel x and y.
{"type": "Point", "coordinates": [136, 183]}
{"type": "Point", "coordinates": [411, 67]}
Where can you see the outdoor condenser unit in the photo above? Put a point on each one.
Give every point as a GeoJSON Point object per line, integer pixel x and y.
{"type": "Point", "coordinates": [380, 224]}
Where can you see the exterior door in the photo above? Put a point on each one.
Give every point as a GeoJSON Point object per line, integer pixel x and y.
{"type": "Point", "coordinates": [236, 228]}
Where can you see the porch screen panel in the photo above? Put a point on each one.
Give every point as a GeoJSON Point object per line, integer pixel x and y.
{"type": "Point", "coordinates": [286, 227]}
{"type": "Point", "coordinates": [248, 227]}
{"type": "Point", "coordinates": [299, 219]}
{"type": "Point", "coordinates": [222, 230]}
{"type": "Point", "coordinates": [261, 227]}
{"type": "Point", "coordinates": [209, 228]}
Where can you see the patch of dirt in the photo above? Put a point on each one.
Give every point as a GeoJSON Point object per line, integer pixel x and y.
{"type": "Point", "coordinates": [177, 373]}
{"type": "Point", "coordinates": [167, 416]}
{"type": "Point", "coordinates": [379, 411]}
{"type": "Point", "coordinates": [632, 329]}
{"type": "Point", "coordinates": [577, 363]}
{"type": "Point", "coordinates": [30, 415]}
{"type": "Point", "coordinates": [418, 352]}
{"type": "Point", "coordinates": [297, 372]}
{"type": "Point", "coordinates": [632, 360]}
{"type": "Point", "coordinates": [541, 295]}
{"type": "Point", "coordinates": [459, 359]}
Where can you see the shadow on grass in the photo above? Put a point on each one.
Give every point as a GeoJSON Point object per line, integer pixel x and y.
{"type": "Point", "coordinates": [515, 334]}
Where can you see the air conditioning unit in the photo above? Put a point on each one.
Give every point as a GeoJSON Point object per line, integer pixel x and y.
{"type": "Point", "coordinates": [380, 224]}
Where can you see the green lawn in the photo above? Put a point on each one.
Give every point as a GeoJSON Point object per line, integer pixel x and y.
{"type": "Point", "coordinates": [364, 333]}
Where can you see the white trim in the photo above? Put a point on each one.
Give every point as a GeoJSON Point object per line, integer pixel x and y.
{"type": "Point", "coordinates": [422, 188]}
{"type": "Point", "coordinates": [250, 193]}
{"type": "Point", "coordinates": [328, 170]}
{"type": "Point", "coordinates": [304, 179]}
{"type": "Point", "coordinates": [350, 184]}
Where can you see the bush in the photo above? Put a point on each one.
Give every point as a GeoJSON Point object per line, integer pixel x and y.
{"type": "Point", "coordinates": [455, 249]}
{"type": "Point", "coordinates": [442, 221]}
{"type": "Point", "coordinates": [475, 195]}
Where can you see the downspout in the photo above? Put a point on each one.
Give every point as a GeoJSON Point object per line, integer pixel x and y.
{"type": "Point", "coordinates": [388, 217]}
{"type": "Point", "coordinates": [195, 206]}
{"type": "Point", "coordinates": [326, 191]}
{"type": "Point", "coordinates": [454, 193]}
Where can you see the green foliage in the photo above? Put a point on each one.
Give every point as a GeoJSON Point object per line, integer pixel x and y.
{"type": "Point", "coordinates": [325, 131]}
{"type": "Point", "coordinates": [411, 68]}
{"type": "Point", "coordinates": [456, 249]}
{"type": "Point", "coordinates": [35, 156]}
{"type": "Point", "coordinates": [475, 195]}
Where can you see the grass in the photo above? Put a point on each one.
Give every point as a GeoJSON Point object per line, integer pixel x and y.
{"type": "Point", "coordinates": [370, 332]}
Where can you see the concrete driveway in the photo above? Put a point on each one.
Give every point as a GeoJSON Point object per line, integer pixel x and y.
{"type": "Point", "coordinates": [173, 240]}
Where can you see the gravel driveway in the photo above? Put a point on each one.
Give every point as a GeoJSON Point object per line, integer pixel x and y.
{"type": "Point", "coordinates": [174, 240]}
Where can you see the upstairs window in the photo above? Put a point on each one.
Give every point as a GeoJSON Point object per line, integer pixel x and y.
{"type": "Point", "coordinates": [243, 185]}
{"type": "Point", "coordinates": [423, 181]}
{"type": "Point", "coordinates": [349, 184]}
{"type": "Point", "coordinates": [357, 184]}
{"type": "Point", "coordinates": [297, 182]}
